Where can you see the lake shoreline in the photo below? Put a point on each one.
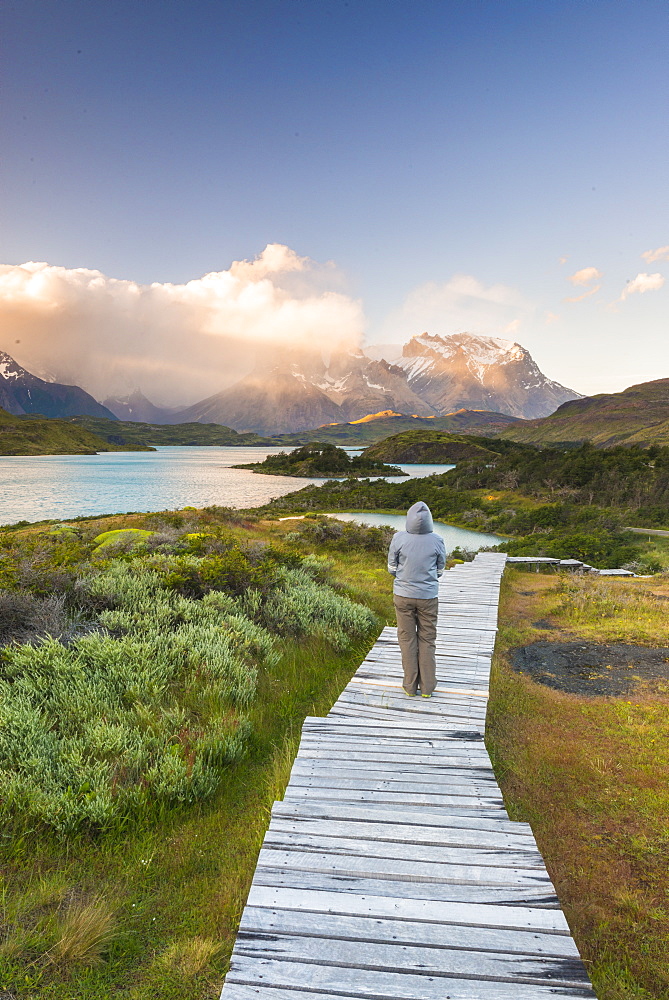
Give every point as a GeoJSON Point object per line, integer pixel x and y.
{"type": "Point", "coordinates": [56, 488]}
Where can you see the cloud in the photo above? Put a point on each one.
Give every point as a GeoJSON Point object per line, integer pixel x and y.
{"type": "Point", "coordinates": [585, 295]}
{"type": "Point", "coordinates": [585, 276]}
{"type": "Point", "coordinates": [641, 284]}
{"type": "Point", "coordinates": [581, 279]}
{"type": "Point", "coordinates": [177, 342]}
{"type": "Point", "coordinates": [551, 317]}
{"type": "Point", "coordinates": [463, 304]}
{"type": "Point", "coordinates": [661, 253]}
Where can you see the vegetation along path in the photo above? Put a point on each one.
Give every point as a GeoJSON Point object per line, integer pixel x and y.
{"type": "Point", "coordinates": [391, 868]}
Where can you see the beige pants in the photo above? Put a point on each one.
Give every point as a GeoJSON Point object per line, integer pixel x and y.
{"type": "Point", "coordinates": [417, 636]}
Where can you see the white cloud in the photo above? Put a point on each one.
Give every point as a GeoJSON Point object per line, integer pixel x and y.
{"type": "Point", "coordinates": [661, 253]}
{"type": "Point", "coordinates": [550, 318]}
{"type": "Point", "coordinates": [585, 295]}
{"type": "Point", "coordinates": [641, 284]}
{"type": "Point", "coordinates": [585, 276]}
{"type": "Point", "coordinates": [463, 304]}
{"type": "Point", "coordinates": [177, 342]}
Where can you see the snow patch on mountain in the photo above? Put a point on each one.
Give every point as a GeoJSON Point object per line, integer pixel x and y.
{"type": "Point", "coordinates": [9, 368]}
{"type": "Point", "coordinates": [6, 371]}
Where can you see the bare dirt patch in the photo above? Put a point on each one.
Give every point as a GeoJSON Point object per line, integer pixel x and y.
{"type": "Point", "coordinates": [591, 668]}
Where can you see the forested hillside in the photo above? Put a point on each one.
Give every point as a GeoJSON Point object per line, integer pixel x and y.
{"type": "Point", "coordinates": [34, 435]}
{"type": "Point", "coordinates": [631, 478]}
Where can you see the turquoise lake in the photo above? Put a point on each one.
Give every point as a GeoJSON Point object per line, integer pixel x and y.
{"type": "Point", "coordinates": [46, 487]}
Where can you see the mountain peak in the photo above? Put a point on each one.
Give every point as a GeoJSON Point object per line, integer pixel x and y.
{"type": "Point", "coordinates": [136, 407]}
{"type": "Point", "coordinates": [480, 349]}
{"type": "Point", "coordinates": [479, 373]}
{"type": "Point", "coordinates": [21, 392]}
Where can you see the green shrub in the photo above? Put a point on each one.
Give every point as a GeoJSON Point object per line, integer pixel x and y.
{"type": "Point", "coordinates": [302, 607]}
{"type": "Point", "coordinates": [145, 710]}
{"type": "Point", "coordinates": [344, 535]}
{"type": "Point", "coordinates": [93, 732]}
{"type": "Point", "coordinates": [126, 537]}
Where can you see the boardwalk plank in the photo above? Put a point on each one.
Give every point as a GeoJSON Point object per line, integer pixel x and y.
{"type": "Point", "coordinates": [472, 747]}
{"type": "Point", "coordinates": [495, 857]}
{"type": "Point", "coordinates": [372, 984]}
{"type": "Point", "coordinates": [439, 776]}
{"type": "Point", "coordinates": [396, 785]}
{"type": "Point", "coordinates": [471, 801]}
{"type": "Point", "coordinates": [395, 833]}
{"type": "Point", "coordinates": [384, 885]}
{"type": "Point", "coordinates": [434, 934]}
{"type": "Point", "coordinates": [359, 953]}
{"type": "Point", "coordinates": [415, 869]}
{"type": "Point", "coordinates": [419, 819]}
{"type": "Point", "coordinates": [423, 910]}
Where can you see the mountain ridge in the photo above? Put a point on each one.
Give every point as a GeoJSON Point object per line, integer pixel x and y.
{"type": "Point", "coordinates": [378, 428]}
{"type": "Point", "coordinates": [637, 415]}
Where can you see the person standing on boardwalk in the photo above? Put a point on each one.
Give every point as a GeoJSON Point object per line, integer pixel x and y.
{"type": "Point", "coordinates": [416, 559]}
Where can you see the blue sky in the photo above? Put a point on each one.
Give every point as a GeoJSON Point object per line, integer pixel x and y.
{"type": "Point", "coordinates": [458, 162]}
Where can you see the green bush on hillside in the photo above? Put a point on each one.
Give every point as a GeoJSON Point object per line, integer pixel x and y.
{"type": "Point", "coordinates": [128, 537]}
{"type": "Point", "coordinates": [300, 606]}
{"type": "Point", "coordinates": [144, 711]}
{"type": "Point", "coordinates": [599, 548]}
{"type": "Point", "coordinates": [344, 535]}
{"type": "Point", "coordinates": [92, 732]}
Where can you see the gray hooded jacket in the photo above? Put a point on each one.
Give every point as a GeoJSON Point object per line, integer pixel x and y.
{"type": "Point", "coordinates": [417, 556]}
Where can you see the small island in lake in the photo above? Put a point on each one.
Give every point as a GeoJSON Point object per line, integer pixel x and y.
{"type": "Point", "coordinates": [320, 461]}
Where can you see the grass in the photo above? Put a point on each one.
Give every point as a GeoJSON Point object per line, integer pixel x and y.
{"type": "Point", "coordinates": [151, 910]}
{"type": "Point", "coordinates": [592, 776]}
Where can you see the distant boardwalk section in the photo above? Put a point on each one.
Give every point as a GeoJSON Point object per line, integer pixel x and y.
{"type": "Point", "coordinates": [391, 869]}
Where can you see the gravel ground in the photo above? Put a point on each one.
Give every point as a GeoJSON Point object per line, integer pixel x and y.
{"type": "Point", "coordinates": [591, 668]}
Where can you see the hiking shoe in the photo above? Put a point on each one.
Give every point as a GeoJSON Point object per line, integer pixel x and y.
{"type": "Point", "coordinates": [409, 694]}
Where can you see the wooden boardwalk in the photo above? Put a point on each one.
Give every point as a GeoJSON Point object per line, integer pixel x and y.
{"type": "Point", "coordinates": [391, 869]}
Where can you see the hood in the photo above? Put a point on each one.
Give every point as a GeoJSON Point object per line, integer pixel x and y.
{"type": "Point", "coordinates": [419, 519]}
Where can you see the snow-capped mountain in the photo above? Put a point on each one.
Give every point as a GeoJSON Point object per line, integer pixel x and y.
{"type": "Point", "coordinates": [301, 390]}
{"type": "Point", "coordinates": [22, 392]}
{"type": "Point", "coordinates": [478, 373]}
{"type": "Point", "coordinates": [431, 376]}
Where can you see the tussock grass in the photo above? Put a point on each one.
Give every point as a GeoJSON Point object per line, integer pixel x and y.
{"type": "Point", "coordinates": [88, 930]}
{"type": "Point", "coordinates": [192, 957]}
{"type": "Point", "coordinates": [592, 777]}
